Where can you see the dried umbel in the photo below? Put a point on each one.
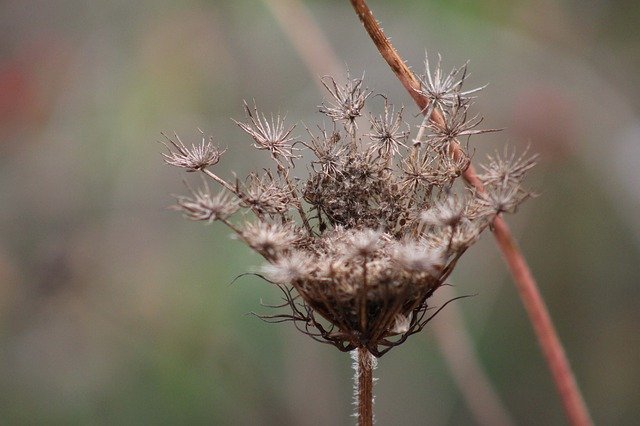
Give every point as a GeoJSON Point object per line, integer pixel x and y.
{"type": "Point", "coordinates": [360, 246]}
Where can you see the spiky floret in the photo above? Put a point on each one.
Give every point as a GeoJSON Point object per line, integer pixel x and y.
{"type": "Point", "coordinates": [198, 157]}
{"type": "Point", "coordinates": [380, 224]}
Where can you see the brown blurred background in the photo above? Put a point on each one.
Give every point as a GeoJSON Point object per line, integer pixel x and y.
{"type": "Point", "coordinates": [114, 310]}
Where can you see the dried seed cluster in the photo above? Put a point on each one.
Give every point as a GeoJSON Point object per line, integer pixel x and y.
{"type": "Point", "coordinates": [377, 227]}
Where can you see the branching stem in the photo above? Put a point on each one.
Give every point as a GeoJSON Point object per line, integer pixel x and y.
{"type": "Point", "coordinates": [554, 353]}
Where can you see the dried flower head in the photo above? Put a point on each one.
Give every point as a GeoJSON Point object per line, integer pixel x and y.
{"type": "Point", "coordinates": [347, 101]}
{"type": "Point", "coordinates": [359, 246]}
{"type": "Point", "coordinates": [271, 135]}
{"type": "Point", "coordinates": [198, 157]}
{"type": "Point", "coordinates": [202, 206]}
{"type": "Point", "coordinates": [457, 125]}
{"type": "Point", "coordinates": [444, 91]}
{"type": "Point", "coordinates": [507, 168]}
{"type": "Point", "coordinates": [387, 131]}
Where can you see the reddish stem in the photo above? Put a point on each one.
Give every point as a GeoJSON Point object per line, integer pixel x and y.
{"type": "Point", "coordinates": [554, 353]}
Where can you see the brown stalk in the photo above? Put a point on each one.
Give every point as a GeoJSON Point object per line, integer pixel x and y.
{"type": "Point", "coordinates": [365, 387]}
{"type": "Point", "coordinates": [554, 353]}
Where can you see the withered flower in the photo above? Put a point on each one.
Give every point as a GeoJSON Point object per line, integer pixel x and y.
{"type": "Point", "coordinates": [347, 103]}
{"type": "Point", "coordinates": [270, 135]}
{"type": "Point", "coordinates": [360, 246]}
{"type": "Point", "coordinates": [198, 157]}
{"type": "Point", "coordinates": [201, 205]}
{"type": "Point", "coordinates": [457, 125]}
{"type": "Point", "coordinates": [443, 91]}
{"type": "Point", "coordinates": [387, 133]}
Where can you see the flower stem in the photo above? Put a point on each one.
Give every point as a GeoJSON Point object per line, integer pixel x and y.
{"type": "Point", "coordinates": [574, 405]}
{"type": "Point", "coordinates": [364, 364]}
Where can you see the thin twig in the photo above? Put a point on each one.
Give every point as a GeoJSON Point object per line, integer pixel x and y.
{"type": "Point", "coordinates": [556, 358]}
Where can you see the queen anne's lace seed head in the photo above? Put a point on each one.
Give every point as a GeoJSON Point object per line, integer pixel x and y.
{"type": "Point", "coordinates": [388, 131]}
{"type": "Point", "coordinates": [270, 135]}
{"type": "Point", "coordinates": [201, 205]}
{"type": "Point", "coordinates": [346, 102]}
{"type": "Point", "coordinates": [198, 157]}
{"type": "Point", "coordinates": [359, 246]}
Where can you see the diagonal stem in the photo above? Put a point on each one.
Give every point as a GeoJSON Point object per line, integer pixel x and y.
{"type": "Point", "coordinates": [554, 353]}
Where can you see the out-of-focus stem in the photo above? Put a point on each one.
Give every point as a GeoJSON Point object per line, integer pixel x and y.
{"type": "Point", "coordinates": [554, 353]}
{"type": "Point", "coordinates": [457, 349]}
{"type": "Point", "coordinates": [307, 38]}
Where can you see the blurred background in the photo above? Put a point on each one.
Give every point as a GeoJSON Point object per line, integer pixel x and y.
{"type": "Point", "coordinates": [114, 310]}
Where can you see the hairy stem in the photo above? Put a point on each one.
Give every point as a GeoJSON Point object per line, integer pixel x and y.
{"type": "Point", "coordinates": [554, 353]}
{"type": "Point", "coordinates": [364, 364]}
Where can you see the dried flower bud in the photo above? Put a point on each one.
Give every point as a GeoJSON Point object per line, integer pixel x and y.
{"type": "Point", "coordinates": [328, 151]}
{"type": "Point", "coordinates": [267, 196]}
{"type": "Point", "coordinates": [387, 133]}
{"type": "Point", "coordinates": [501, 199]}
{"type": "Point", "coordinates": [202, 206]}
{"type": "Point", "coordinates": [198, 157]}
{"type": "Point", "coordinates": [507, 168]}
{"type": "Point", "coordinates": [348, 101]}
{"type": "Point", "coordinates": [270, 135]}
{"type": "Point", "coordinates": [444, 91]}
{"type": "Point", "coordinates": [457, 124]}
